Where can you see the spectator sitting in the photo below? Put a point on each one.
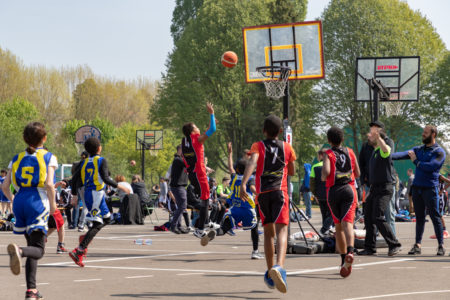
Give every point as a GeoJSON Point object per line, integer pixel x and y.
{"type": "Point", "coordinates": [138, 187]}
{"type": "Point", "coordinates": [121, 181]}
{"type": "Point", "coordinates": [163, 190]}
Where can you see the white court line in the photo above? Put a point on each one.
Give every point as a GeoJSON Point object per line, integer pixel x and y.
{"type": "Point", "coordinates": [87, 280]}
{"type": "Point", "coordinates": [178, 270]}
{"type": "Point", "coordinates": [399, 294]}
{"type": "Point", "coordinates": [184, 274]}
{"type": "Point", "coordinates": [401, 268]}
{"type": "Point", "coordinates": [122, 258]}
{"type": "Point", "coordinates": [42, 283]}
{"type": "Point", "coordinates": [358, 265]}
{"type": "Point", "coordinates": [142, 276]}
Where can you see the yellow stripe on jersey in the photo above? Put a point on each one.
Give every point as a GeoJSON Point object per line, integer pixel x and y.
{"type": "Point", "coordinates": [97, 183]}
{"type": "Point", "coordinates": [83, 171]}
{"type": "Point", "coordinates": [15, 167]}
{"type": "Point", "coordinates": [42, 166]}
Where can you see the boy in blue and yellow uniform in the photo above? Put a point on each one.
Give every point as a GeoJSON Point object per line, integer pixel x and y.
{"type": "Point", "coordinates": [31, 172]}
{"type": "Point", "coordinates": [240, 210]}
{"type": "Point", "coordinates": [93, 174]}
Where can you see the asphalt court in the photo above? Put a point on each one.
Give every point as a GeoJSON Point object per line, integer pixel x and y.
{"type": "Point", "coordinates": [178, 267]}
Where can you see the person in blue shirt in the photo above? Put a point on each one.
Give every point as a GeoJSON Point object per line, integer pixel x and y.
{"type": "Point", "coordinates": [240, 210]}
{"type": "Point", "coordinates": [31, 173]}
{"type": "Point", "coordinates": [305, 189]}
{"type": "Point", "coordinates": [94, 176]}
{"type": "Point", "coordinates": [428, 159]}
{"type": "Point", "coordinates": [6, 203]}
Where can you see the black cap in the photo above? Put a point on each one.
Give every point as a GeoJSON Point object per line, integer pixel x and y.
{"type": "Point", "coordinates": [377, 123]}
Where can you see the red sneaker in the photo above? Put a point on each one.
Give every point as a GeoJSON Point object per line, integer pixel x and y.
{"type": "Point", "coordinates": [60, 249]}
{"type": "Point", "coordinates": [77, 256]}
{"type": "Point", "coordinates": [346, 268]}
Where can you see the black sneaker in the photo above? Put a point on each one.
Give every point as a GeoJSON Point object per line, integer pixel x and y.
{"type": "Point", "coordinates": [175, 230]}
{"type": "Point", "coordinates": [415, 250]}
{"type": "Point", "coordinates": [395, 250]}
{"type": "Point", "coordinates": [30, 295]}
{"type": "Point", "coordinates": [366, 252]}
{"type": "Point", "coordinates": [441, 251]}
{"type": "Point", "coordinates": [184, 230]}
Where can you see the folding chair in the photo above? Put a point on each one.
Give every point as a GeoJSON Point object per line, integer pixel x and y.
{"type": "Point", "coordinates": [150, 207]}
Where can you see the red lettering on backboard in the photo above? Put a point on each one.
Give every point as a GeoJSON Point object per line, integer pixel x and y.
{"type": "Point", "coordinates": [387, 67]}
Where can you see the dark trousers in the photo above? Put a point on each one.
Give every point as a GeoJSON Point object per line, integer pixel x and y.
{"type": "Point", "coordinates": [427, 200]}
{"type": "Point", "coordinates": [33, 252]}
{"type": "Point", "coordinates": [180, 195]}
{"type": "Point", "coordinates": [327, 220]}
{"type": "Point", "coordinates": [376, 204]}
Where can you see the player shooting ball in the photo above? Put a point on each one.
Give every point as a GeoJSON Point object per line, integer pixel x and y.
{"type": "Point", "coordinates": [194, 158]}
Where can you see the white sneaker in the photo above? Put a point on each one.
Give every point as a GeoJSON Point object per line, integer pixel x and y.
{"type": "Point", "coordinates": [215, 226]}
{"type": "Point", "coordinates": [199, 233]}
{"type": "Point", "coordinates": [256, 255]}
{"type": "Point", "coordinates": [81, 229]}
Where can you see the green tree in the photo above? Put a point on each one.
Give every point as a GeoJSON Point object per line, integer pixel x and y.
{"type": "Point", "coordinates": [369, 28]}
{"type": "Point", "coordinates": [87, 100]}
{"type": "Point", "coordinates": [14, 115]}
{"type": "Point", "coordinates": [195, 75]}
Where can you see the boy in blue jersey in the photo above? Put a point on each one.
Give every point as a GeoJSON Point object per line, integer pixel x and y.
{"type": "Point", "coordinates": [6, 203]}
{"type": "Point", "coordinates": [240, 210]}
{"type": "Point", "coordinates": [31, 172]}
{"type": "Point", "coordinates": [94, 176]}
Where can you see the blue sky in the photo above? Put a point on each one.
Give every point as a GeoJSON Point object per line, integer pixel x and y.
{"type": "Point", "coordinates": [117, 38]}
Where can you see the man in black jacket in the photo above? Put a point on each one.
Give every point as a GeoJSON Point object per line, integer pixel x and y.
{"type": "Point", "coordinates": [178, 183]}
{"type": "Point", "coordinates": [381, 180]}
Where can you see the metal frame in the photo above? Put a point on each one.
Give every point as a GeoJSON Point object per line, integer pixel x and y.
{"type": "Point", "coordinates": [392, 90]}
{"type": "Point", "coordinates": [148, 144]}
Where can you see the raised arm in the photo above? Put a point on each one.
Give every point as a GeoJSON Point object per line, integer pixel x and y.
{"type": "Point", "coordinates": [230, 158]}
{"type": "Point", "coordinates": [212, 124]}
{"type": "Point", "coordinates": [400, 155]}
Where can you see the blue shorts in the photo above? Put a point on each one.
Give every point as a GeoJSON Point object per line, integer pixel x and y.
{"type": "Point", "coordinates": [31, 209]}
{"type": "Point", "coordinates": [4, 199]}
{"type": "Point", "coordinates": [245, 215]}
{"type": "Point", "coordinates": [94, 201]}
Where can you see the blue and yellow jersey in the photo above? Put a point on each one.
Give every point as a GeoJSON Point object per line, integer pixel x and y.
{"type": "Point", "coordinates": [235, 187]}
{"type": "Point", "coordinates": [30, 170]}
{"type": "Point", "coordinates": [90, 173]}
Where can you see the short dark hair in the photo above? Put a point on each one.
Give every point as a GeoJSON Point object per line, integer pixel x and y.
{"type": "Point", "coordinates": [3, 171]}
{"type": "Point", "coordinates": [272, 126]}
{"type": "Point", "coordinates": [85, 154]}
{"type": "Point", "coordinates": [321, 152]}
{"type": "Point", "coordinates": [188, 128]}
{"type": "Point", "coordinates": [178, 147]}
{"type": "Point", "coordinates": [240, 166]}
{"type": "Point", "coordinates": [92, 145]}
{"type": "Point", "coordinates": [33, 134]}
{"type": "Point", "coordinates": [433, 129]}
{"type": "Point", "coordinates": [335, 135]}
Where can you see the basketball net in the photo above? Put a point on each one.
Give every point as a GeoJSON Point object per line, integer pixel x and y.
{"type": "Point", "coordinates": [275, 79]}
{"type": "Point", "coordinates": [393, 108]}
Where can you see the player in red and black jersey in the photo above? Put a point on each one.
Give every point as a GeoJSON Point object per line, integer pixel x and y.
{"type": "Point", "coordinates": [274, 161]}
{"type": "Point", "coordinates": [194, 158]}
{"type": "Point", "coordinates": [340, 168]}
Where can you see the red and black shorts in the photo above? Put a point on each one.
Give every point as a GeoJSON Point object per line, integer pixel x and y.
{"type": "Point", "coordinates": [274, 207]}
{"type": "Point", "coordinates": [342, 201]}
{"type": "Point", "coordinates": [200, 184]}
{"type": "Point", "coordinates": [56, 220]}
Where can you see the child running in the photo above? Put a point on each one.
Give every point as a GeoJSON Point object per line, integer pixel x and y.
{"type": "Point", "coordinates": [240, 210]}
{"type": "Point", "coordinates": [339, 171]}
{"type": "Point", "coordinates": [94, 176]}
{"type": "Point", "coordinates": [194, 158]}
{"type": "Point", "coordinates": [31, 172]}
{"type": "Point", "coordinates": [274, 161]}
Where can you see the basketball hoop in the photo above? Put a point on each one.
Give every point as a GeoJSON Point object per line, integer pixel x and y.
{"type": "Point", "coordinates": [275, 79]}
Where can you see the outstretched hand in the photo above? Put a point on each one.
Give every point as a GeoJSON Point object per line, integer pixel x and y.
{"type": "Point", "coordinates": [210, 108]}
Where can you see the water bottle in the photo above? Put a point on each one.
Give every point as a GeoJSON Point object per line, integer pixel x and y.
{"type": "Point", "coordinates": [143, 242]}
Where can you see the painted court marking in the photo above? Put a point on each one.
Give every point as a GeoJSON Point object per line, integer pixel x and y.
{"type": "Point", "coordinates": [87, 280]}
{"type": "Point", "coordinates": [122, 258]}
{"type": "Point", "coordinates": [399, 294]}
{"type": "Point", "coordinates": [184, 274]}
{"type": "Point", "coordinates": [357, 265]}
{"type": "Point", "coordinates": [142, 276]}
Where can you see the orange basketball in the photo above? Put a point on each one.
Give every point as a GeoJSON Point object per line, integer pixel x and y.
{"type": "Point", "coordinates": [229, 59]}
